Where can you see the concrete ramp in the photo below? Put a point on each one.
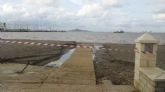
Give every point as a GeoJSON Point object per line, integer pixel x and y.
{"type": "Point", "coordinates": [78, 69]}
{"type": "Point", "coordinates": [81, 61]}
{"type": "Point", "coordinates": [75, 75]}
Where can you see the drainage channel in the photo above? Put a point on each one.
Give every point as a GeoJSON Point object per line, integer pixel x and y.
{"type": "Point", "coordinates": [95, 49]}
{"type": "Point", "coordinates": [67, 55]}
{"type": "Point", "coordinates": [62, 59]}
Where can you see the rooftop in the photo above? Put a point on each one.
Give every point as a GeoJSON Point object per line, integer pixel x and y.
{"type": "Point", "coordinates": [146, 38]}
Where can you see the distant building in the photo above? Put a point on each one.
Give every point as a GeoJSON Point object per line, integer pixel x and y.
{"type": "Point", "coordinates": [2, 26]}
{"type": "Point", "coordinates": [121, 31]}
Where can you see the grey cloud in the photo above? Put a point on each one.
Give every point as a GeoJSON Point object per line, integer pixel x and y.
{"type": "Point", "coordinates": [160, 11]}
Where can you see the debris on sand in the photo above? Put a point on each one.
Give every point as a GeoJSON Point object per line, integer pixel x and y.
{"type": "Point", "coordinates": [118, 71]}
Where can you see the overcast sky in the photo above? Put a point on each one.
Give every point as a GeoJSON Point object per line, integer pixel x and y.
{"type": "Point", "coordinates": [94, 15]}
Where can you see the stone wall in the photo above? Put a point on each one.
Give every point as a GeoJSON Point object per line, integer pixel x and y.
{"type": "Point", "coordinates": [148, 77]}
{"type": "Point", "coordinates": [145, 84]}
{"type": "Point", "coordinates": [160, 86]}
{"type": "Point", "coordinates": [151, 80]}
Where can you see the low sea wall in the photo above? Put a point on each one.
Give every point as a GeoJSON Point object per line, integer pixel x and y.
{"type": "Point", "coordinates": [151, 80]}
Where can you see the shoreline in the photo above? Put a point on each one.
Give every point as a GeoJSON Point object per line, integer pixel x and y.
{"type": "Point", "coordinates": [84, 37]}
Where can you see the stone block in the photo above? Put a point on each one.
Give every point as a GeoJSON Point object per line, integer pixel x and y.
{"type": "Point", "coordinates": [160, 90]}
{"type": "Point", "coordinates": [160, 84]}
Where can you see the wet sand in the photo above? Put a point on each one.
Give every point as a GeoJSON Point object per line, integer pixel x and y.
{"type": "Point", "coordinates": [36, 55]}
{"type": "Point", "coordinates": [117, 64]}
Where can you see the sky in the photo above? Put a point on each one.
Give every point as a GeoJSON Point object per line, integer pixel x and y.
{"type": "Point", "coordinates": [93, 15]}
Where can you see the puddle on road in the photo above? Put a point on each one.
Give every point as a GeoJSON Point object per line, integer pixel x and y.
{"type": "Point", "coordinates": [62, 59]}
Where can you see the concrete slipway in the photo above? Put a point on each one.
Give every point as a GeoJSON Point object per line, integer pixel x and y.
{"type": "Point", "coordinates": [75, 75]}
